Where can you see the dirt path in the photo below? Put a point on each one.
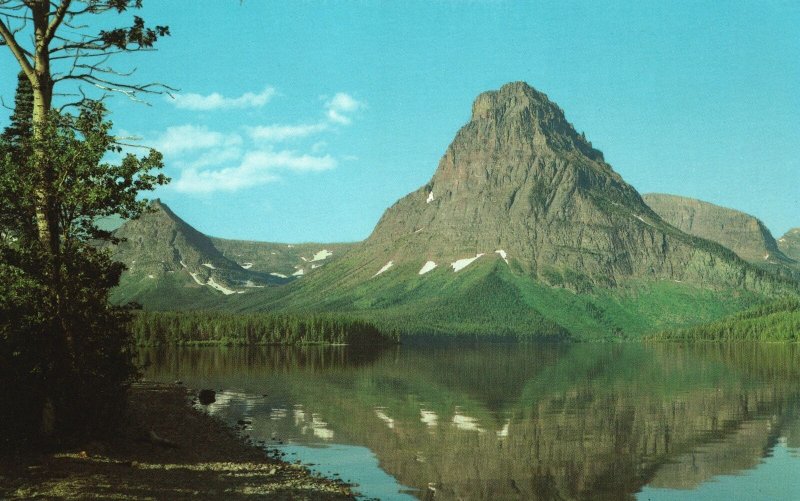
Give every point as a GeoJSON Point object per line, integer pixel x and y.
{"type": "Point", "coordinates": [208, 461]}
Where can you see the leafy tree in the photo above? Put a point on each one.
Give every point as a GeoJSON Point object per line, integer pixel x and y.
{"type": "Point", "coordinates": [76, 55]}
{"type": "Point", "coordinates": [63, 349]}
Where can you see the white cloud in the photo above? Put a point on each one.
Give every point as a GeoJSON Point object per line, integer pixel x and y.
{"type": "Point", "coordinates": [340, 106]}
{"type": "Point", "coordinates": [284, 132]}
{"type": "Point", "coordinates": [209, 161]}
{"type": "Point", "coordinates": [216, 101]}
{"type": "Point", "coordinates": [255, 168]}
{"type": "Point", "coordinates": [289, 160]}
{"type": "Point", "coordinates": [233, 179]}
{"type": "Point", "coordinates": [183, 138]}
{"type": "Point", "coordinates": [216, 156]}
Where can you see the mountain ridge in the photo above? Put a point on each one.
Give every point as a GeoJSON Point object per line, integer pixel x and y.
{"type": "Point", "coordinates": [519, 196]}
{"type": "Point", "coordinates": [523, 230]}
{"type": "Point", "coordinates": [743, 233]}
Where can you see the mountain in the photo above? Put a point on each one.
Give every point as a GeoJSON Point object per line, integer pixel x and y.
{"type": "Point", "coordinates": [525, 227]}
{"type": "Point", "coordinates": [280, 260]}
{"type": "Point", "coordinates": [744, 234]}
{"type": "Point", "coordinates": [789, 243]}
{"type": "Point", "coordinates": [172, 265]}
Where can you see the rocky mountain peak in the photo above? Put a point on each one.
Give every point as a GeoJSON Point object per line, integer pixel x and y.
{"type": "Point", "coordinates": [519, 185]}
{"type": "Point", "coordinates": [525, 117]}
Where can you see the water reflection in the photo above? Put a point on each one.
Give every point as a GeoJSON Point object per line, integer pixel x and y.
{"type": "Point", "coordinates": [514, 421]}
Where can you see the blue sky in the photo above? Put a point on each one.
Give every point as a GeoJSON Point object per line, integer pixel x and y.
{"type": "Point", "coordinates": [304, 121]}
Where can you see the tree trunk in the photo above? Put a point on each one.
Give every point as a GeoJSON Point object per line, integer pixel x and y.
{"type": "Point", "coordinates": [46, 202]}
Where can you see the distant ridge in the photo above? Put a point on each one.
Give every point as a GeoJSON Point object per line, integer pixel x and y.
{"type": "Point", "coordinates": [744, 234]}
{"type": "Point", "coordinates": [789, 243]}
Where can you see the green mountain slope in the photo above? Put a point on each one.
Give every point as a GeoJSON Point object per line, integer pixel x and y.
{"type": "Point", "coordinates": [525, 229]}
{"type": "Point", "coordinates": [774, 321]}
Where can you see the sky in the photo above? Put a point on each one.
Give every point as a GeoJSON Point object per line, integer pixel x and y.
{"type": "Point", "coordinates": [303, 121]}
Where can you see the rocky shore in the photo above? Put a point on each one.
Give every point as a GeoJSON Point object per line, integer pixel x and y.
{"type": "Point", "coordinates": [165, 450]}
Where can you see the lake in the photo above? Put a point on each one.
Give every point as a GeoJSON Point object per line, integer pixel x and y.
{"type": "Point", "coordinates": [508, 421]}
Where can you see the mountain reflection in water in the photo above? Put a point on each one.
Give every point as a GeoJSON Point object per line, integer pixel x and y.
{"type": "Point", "coordinates": [588, 421]}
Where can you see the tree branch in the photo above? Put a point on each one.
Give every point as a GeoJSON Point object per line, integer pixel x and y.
{"type": "Point", "coordinates": [58, 16]}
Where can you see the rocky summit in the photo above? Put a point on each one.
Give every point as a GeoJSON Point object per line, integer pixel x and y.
{"type": "Point", "coordinates": [519, 184]}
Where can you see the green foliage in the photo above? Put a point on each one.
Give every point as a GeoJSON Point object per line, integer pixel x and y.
{"type": "Point", "coordinates": [773, 321]}
{"type": "Point", "coordinates": [62, 347]}
{"type": "Point", "coordinates": [199, 327]}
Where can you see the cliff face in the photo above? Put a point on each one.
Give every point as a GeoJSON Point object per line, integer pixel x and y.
{"type": "Point", "coordinates": [518, 178]}
{"type": "Point", "coordinates": [742, 233]}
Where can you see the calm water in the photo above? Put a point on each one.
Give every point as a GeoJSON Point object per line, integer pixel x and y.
{"type": "Point", "coordinates": [511, 421]}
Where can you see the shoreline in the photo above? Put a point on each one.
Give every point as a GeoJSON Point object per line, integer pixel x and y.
{"type": "Point", "coordinates": [165, 449]}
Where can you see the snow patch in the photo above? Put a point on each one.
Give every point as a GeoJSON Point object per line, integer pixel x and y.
{"type": "Point", "coordinates": [150, 276]}
{"type": "Point", "coordinates": [279, 275]}
{"type": "Point", "coordinates": [290, 246]}
{"type": "Point", "coordinates": [430, 198]}
{"type": "Point", "coordinates": [430, 265]}
{"type": "Point", "coordinates": [429, 418]}
{"type": "Point", "coordinates": [250, 283]}
{"type": "Point", "coordinates": [247, 266]}
{"type": "Point", "coordinates": [463, 263]}
{"type": "Point", "coordinates": [766, 256]}
{"type": "Point", "coordinates": [503, 432]}
{"type": "Point", "coordinates": [214, 285]}
{"type": "Point", "coordinates": [502, 254]}
{"type": "Point", "coordinates": [385, 267]}
{"type": "Point", "coordinates": [380, 412]}
{"type": "Point", "coordinates": [323, 254]}
{"type": "Point", "coordinates": [315, 266]}
{"type": "Point", "coordinates": [194, 276]}
{"type": "Point", "coordinates": [299, 273]}
{"type": "Point", "coordinates": [182, 263]}
{"type": "Point", "coordinates": [465, 423]}
{"type": "Point", "coordinates": [304, 259]}
{"type": "Point", "coordinates": [209, 265]}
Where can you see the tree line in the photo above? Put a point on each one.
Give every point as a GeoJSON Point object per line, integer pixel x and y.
{"type": "Point", "coordinates": [203, 327]}
{"type": "Point", "coordinates": [773, 321]}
